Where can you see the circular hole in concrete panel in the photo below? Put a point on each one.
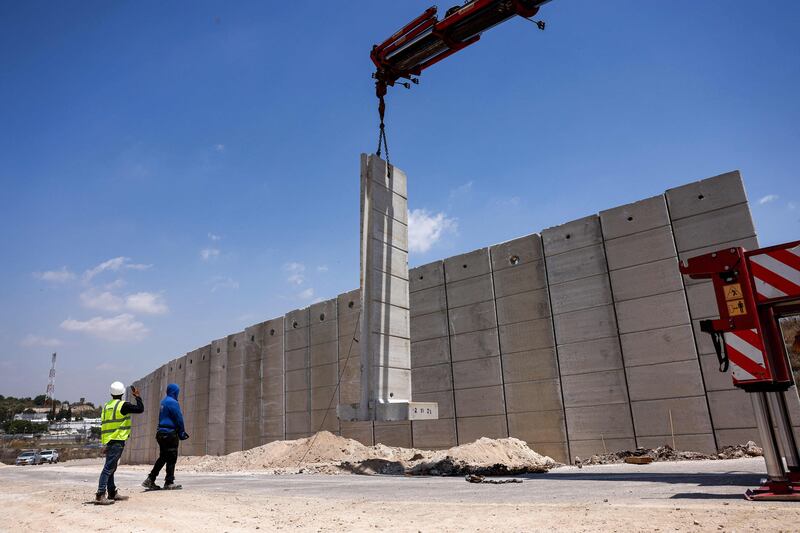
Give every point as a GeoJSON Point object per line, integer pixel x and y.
{"type": "Point", "coordinates": [700, 196]}
{"type": "Point", "coordinates": [569, 236]}
{"type": "Point", "coordinates": [391, 395]}
{"type": "Point", "coordinates": [351, 304]}
{"type": "Point", "coordinates": [272, 333]}
{"type": "Point", "coordinates": [294, 325]}
{"type": "Point", "coordinates": [322, 317]}
{"type": "Point", "coordinates": [464, 266]}
{"type": "Point", "coordinates": [514, 259]}
{"type": "Point", "coordinates": [421, 276]}
{"type": "Point", "coordinates": [630, 219]}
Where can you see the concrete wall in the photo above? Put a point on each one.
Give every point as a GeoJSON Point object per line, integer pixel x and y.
{"type": "Point", "coordinates": [643, 266]}
{"type": "Point", "coordinates": [531, 373]}
{"type": "Point", "coordinates": [596, 405]}
{"type": "Point", "coordinates": [234, 394]}
{"type": "Point", "coordinates": [298, 374]}
{"type": "Point", "coordinates": [480, 403]}
{"type": "Point", "coordinates": [580, 340]}
{"type": "Point", "coordinates": [273, 396]}
{"type": "Point", "coordinates": [217, 394]}
{"type": "Point", "coordinates": [431, 363]}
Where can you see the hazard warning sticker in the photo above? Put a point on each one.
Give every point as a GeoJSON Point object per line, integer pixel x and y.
{"type": "Point", "coordinates": [733, 291]}
{"type": "Point", "coordinates": [736, 308]}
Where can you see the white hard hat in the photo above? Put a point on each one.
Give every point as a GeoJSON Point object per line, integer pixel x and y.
{"type": "Point", "coordinates": [117, 388]}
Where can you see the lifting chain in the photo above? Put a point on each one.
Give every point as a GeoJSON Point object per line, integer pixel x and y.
{"type": "Point", "coordinates": [382, 142]}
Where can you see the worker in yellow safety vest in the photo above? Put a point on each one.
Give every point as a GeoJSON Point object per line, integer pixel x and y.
{"type": "Point", "coordinates": [114, 431]}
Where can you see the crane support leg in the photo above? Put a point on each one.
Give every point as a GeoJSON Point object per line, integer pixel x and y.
{"type": "Point", "coordinates": [777, 485]}
{"type": "Point", "coordinates": [787, 441]}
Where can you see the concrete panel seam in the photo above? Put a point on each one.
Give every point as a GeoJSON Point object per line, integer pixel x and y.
{"type": "Point", "coordinates": [558, 361]}
{"type": "Point", "coordinates": [619, 341]}
{"type": "Point", "coordinates": [499, 341]}
{"type": "Point", "coordinates": [694, 336]}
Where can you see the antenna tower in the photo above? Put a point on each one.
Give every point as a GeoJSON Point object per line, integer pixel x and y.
{"type": "Point", "coordinates": [51, 385]}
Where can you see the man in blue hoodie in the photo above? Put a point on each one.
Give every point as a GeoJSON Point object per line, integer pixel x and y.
{"type": "Point", "coordinates": [170, 432]}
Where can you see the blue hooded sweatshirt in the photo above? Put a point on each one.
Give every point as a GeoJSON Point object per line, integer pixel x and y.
{"type": "Point", "coordinates": [170, 417]}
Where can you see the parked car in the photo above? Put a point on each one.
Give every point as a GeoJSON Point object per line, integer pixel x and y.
{"type": "Point", "coordinates": [29, 458]}
{"type": "Point", "coordinates": [49, 456]}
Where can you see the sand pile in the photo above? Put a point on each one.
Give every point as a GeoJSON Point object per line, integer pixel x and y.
{"type": "Point", "coordinates": [328, 453]}
{"type": "Point", "coordinates": [667, 453]}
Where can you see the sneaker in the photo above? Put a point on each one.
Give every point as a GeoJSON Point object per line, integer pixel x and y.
{"type": "Point", "coordinates": [172, 486]}
{"type": "Point", "coordinates": [100, 499]}
{"type": "Point", "coordinates": [116, 496]}
{"type": "Point", "coordinates": [149, 484]}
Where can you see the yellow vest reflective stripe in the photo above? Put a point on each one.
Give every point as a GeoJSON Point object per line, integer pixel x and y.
{"type": "Point", "coordinates": [114, 425]}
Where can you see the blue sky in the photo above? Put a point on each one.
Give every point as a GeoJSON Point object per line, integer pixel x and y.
{"type": "Point", "coordinates": [173, 172]}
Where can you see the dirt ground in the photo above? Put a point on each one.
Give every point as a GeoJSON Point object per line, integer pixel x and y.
{"type": "Point", "coordinates": [687, 496]}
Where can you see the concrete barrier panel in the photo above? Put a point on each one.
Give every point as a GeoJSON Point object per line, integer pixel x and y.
{"type": "Point", "coordinates": [596, 405]}
{"type": "Point", "coordinates": [474, 341]}
{"type": "Point", "coordinates": [324, 361]}
{"type": "Point", "coordinates": [298, 373]}
{"type": "Point", "coordinates": [273, 391]}
{"type": "Point", "coordinates": [360, 431]}
{"type": "Point", "coordinates": [200, 363]}
{"type": "Point", "coordinates": [393, 434]}
{"type": "Point", "coordinates": [664, 382]}
{"type": "Point", "coordinates": [217, 395]}
{"type": "Point", "coordinates": [432, 369]}
{"type": "Point", "coordinates": [434, 434]}
{"type": "Point", "coordinates": [349, 330]}
{"type": "Point", "coordinates": [251, 415]}
{"type": "Point", "coordinates": [234, 398]}
{"type": "Point", "coordinates": [706, 216]}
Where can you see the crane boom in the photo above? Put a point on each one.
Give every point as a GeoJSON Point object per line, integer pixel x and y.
{"type": "Point", "coordinates": [426, 40]}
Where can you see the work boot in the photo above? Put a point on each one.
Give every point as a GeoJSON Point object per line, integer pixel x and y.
{"type": "Point", "coordinates": [150, 484]}
{"type": "Point", "coordinates": [172, 486]}
{"type": "Point", "coordinates": [116, 496]}
{"type": "Point", "coordinates": [100, 499]}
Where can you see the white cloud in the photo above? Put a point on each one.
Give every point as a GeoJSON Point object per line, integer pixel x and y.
{"type": "Point", "coordinates": [209, 253]}
{"type": "Point", "coordinates": [146, 302]}
{"type": "Point", "coordinates": [767, 199]}
{"type": "Point", "coordinates": [114, 265]}
{"type": "Point", "coordinates": [101, 300]}
{"type": "Point", "coordinates": [461, 190]}
{"type": "Point", "coordinates": [55, 276]}
{"type": "Point", "coordinates": [792, 206]}
{"type": "Point", "coordinates": [222, 282]}
{"type": "Point", "coordinates": [34, 340]}
{"type": "Point", "coordinates": [425, 229]}
{"type": "Point", "coordinates": [322, 268]}
{"type": "Point", "coordinates": [116, 284]}
{"type": "Point", "coordinates": [214, 237]}
{"type": "Point", "coordinates": [119, 328]}
{"type": "Point", "coordinates": [219, 147]}
{"type": "Point", "coordinates": [295, 271]}
{"type": "Point", "coordinates": [306, 294]}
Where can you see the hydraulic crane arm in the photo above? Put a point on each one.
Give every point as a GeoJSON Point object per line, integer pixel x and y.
{"type": "Point", "coordinates": [425, 41]}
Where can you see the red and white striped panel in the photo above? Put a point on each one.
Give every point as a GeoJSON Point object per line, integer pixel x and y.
{"type": "Point", "coordinates": [776, 273]}
{"type": "Point", "coordinates": [746, 355]}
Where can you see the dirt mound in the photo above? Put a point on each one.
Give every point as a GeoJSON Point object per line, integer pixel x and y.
{"type": "Point", "coordinates": [328, 453]}
{"type": "Point", "coordinates": [667, 453]}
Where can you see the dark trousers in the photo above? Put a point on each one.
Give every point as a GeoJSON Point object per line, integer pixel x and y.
{"type": "Point", "coordinates": [168, 455]}
{"type": "Point", "coordinates": [113, 452]}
